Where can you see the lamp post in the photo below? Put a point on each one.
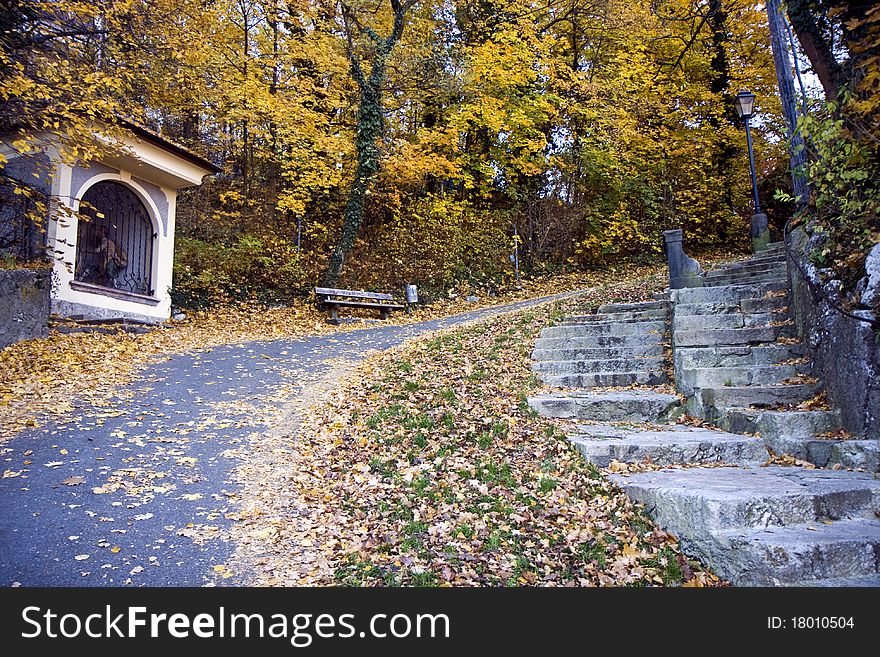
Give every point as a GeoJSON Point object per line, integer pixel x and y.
{"type": "Point", "coordinates": [515, 257]}
{"type": "Point", "coordinates": [760, 232]}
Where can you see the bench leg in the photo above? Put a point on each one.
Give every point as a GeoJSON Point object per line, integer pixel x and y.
{"type": "Point", "coordinates": [333, 315]}
{"type": "Point", "coordinates": [384, 314]}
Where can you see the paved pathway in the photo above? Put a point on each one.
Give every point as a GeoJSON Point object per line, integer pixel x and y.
{"type": "Point", "coordinates": [133, 494]}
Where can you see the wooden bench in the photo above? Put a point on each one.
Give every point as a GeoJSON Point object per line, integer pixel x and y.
{"type": "Point", "coordinates": [331, 299]}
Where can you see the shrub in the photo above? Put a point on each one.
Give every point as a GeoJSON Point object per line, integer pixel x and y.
{"type": "Point", "coordinates": [844, 174]}
{"type": "Point", "coordinates": [265, 269]}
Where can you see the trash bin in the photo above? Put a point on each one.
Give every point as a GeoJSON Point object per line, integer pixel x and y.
{"type": "Point", "coordinates": [412, 294]}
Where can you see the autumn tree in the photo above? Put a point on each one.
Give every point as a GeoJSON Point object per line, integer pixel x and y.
{"type": "Point", "coordinates": [54, 89]}
{"type": "Point", "coordinates": [366, 49]}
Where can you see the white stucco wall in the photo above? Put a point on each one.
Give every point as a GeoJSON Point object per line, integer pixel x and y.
{"type": "Point", "coordinates": [73, 300]}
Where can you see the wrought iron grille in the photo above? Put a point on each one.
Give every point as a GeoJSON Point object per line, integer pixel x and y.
{"type": "Point", "coordinates": [114, 244]}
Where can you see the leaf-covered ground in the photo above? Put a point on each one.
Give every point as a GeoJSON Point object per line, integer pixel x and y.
{"type": "Point", "coordinates": [426, 467]}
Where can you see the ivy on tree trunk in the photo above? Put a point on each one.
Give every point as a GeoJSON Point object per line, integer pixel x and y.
{"type": "Point", "coordinates": [370, 127]}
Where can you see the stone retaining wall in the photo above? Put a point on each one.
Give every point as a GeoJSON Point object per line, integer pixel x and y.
{"type": "Point", "coordinates": [845, 351]}
{"type": "Point", "coordinates": [24, 304]}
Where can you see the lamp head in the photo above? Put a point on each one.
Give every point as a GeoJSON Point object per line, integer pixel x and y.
{"type": "Point", "coordinates": [744, 103]}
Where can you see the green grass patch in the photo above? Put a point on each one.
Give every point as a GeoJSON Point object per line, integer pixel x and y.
{"type": "Point", "coordinates": [464, 530]}
{"type": "Point", "coordinates": [383, 415]}
{"type": "Point", "coordinates": [666, 561]}
{"type": "Point", "coordinates": [418, 421]}
{"type": "Point", "coordinates": [593, 551]}
{"type": "Point", "coordinates": [448, 394]}
{"type": "Point", "coordinates": [547, 484]}
{"type": "Point", "coordinates": [381, 467]}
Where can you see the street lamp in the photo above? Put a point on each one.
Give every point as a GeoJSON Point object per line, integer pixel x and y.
{"type": "Point", "coordinates": [760, 233]}
{"type": "Point", "coordinates": [514, 258]}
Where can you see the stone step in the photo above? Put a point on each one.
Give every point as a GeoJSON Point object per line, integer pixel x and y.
{"type": "Point", "coordinates": [862, 581]}
{"type": "Point", "coordinates": [745, 280]}
{"type": "Point", "coordinates": [728, 293]}
{"type": "Point", "coordinates": [724, 321]}
{"type": "Point", "coordinates": [752, 270]}
{"type": "Point", "coordinates": [616, 406]}
{"type": "Point", "coordinates": [797, 434]}
{"type": "Point", "coordinates": [812, 450]}
{"type": "Point", "coordinates": [597, 341]}
{"type": "Point", "coordinates": [746, 266]}
{"type": "Point", "coordinates": [600, 444]}
{"type": "Point", "coordinates": [605, 379]}
{"type": "Point", "coordinates": [603, 328]}
{"type": "Point", "coordinates": [782, 424]}
{"type": "Point", "coordinates": [735, 356]}
{"type": "Point", "coordinates": [748, 275]}
{"type": "Point", "coordinates": [771, 305]}
{"type": "Point", "coordinates": [594, 353]}
{"type": "Point", "coordinates": [759, 259]}
{"type": "Point", "coordinates": [747, 306]}
{"type": "Point", "coordinates": [745, 277]}
{"type": "Point", "coordinates": [715, 377]}
{"type": "Point", "coordinates": [693, 502]}
{"type": "Point", "coordinates": [773, 247]}
{"type": "Point", "coordinates": [578, 320]}
{"type": "Point", "coordinates": [799, 554]}
{"type": "Point", "coordinates": [751, 263]}
{"type": "Point", "coordinates": [632, 307]}
{"type": "Point", "coordinates": [856, 454]}
{"type": "Point", "coordinates": [733, 336]}
{"type": "Point", "coordinates": [598, 365]}
{"type": "Point", "coordinates": [620, 317]}
{"type": "Point", "coordinates": [711, 403]}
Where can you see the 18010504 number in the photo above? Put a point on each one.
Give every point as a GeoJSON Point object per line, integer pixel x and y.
{"type": "Point", "coordinates": [821, 622]}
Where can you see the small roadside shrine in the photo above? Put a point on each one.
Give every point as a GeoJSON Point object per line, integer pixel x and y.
{"type": "Point", "coordinates": [112, 233]}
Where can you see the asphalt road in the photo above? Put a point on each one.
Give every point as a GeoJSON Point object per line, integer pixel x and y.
{"type": "Point", "coordinates": [137, 493]}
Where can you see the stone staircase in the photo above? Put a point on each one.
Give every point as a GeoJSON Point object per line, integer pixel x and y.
{"type": "Point", "coordinates": [622, 345]}
{"type": "Point", "coordinates": [739, 365]}
{"type": "Point", "coordinates": [740, 368]}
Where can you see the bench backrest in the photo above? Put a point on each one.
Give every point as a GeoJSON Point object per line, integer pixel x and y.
{"type": "Point", "coordinates": [354, 294]}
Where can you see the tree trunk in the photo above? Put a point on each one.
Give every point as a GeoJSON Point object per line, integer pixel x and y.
{"type": "Point", "coordinates": [370, 127]}
{"type": "Point", "coordinates": [785, 79]}
{"type": "Point", "coordinates": [816, 47]}
{"type": "Point", "coordinates": [724, 151]}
